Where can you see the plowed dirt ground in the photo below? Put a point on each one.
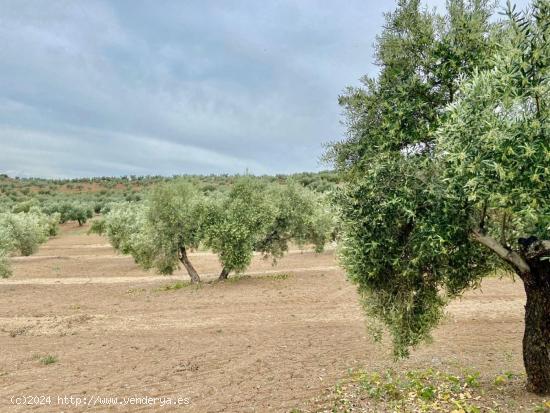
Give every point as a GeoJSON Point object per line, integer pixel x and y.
{"type": "Point", "coordinates": [275, 340]}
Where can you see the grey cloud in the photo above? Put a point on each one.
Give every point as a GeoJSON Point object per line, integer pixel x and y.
{"type": "Point", "coordinates": [112, 88]}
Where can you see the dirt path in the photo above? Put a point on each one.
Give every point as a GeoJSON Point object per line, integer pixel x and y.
{"type": "Point", "coordinates": [257, 344]}
{"type": "Point", "coordinates": [147, 279]}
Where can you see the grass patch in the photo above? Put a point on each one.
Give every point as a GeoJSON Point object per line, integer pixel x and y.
{"type": "Point", "coordinates": [543, 407]}
{"type": "Point", "coordinates": [235, 278]}
{"type": "Point", "coordinates": [46, 360]}
{"type": "Point", "coordinates": [178, 285]}
{"type": "Point", "coordinates": [240, 277]}
{"type": "Point", "coordinates": [282, 276]}
{"type": "Point", "coordinates": [425, 391]}
{"type": "Point", "coordinates": [232, 279]}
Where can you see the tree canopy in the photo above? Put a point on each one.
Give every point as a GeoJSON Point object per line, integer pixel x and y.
{"type": "Point", "coordinates": [159, 232]}
{"type": "Point", "coordinates": [237, 221]}
{"type": "Point", "coordinates": [445, 167]}
{"type": "Point", "coordinates": [266, 218]}
{"type": "Point", "coordinates": [22, 233]}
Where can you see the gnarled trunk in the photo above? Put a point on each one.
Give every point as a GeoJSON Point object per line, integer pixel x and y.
{"type": "Point", "coordinates": [224, 274]}
{"type": "Point", "coordinates": [188, 266]}
{"type": "Point", "coordinates": [532, 264]}
{"type": "Point", "coordinates": [536, 339]}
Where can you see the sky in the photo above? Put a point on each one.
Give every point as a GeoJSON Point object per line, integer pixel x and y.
{"type": "Point", "coordinates": [134, 87]}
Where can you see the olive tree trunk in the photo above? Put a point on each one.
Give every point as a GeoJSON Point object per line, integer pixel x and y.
{"type": "Point", "coordinates": [532, 264]}
{"type": "Point", "coordinates": [224, 274]}
{"type": "Point", "coordinates": [188, 266]}
{"type": "Point", "coordinates": [536, 339]}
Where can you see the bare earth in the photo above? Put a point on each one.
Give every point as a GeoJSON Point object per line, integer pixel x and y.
{"type": "Point", "coordinates": [260, 343]}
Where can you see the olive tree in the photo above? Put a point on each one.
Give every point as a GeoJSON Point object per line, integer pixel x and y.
{"type": "Point", "coordinates": [265, 218]}
{"type": "Point", "coordinates": [494, 153]}
{"type": "Point", "coordinates": [175, 218]}
{"type": "Point", "coordinates": [6, 245]}
{"type": "Point", "coordinates": [48, 222]}
{"type": "Point", "coordinates": [301, 216]}
{"type": "Point", "coordinates": [25, 230]}
{"type": "Point", "coordinates": [122, 222]}
{"type": "Point", "coordinates": [444, 183]}
{"type": "Point", "coordinates": [23, 233]}
{"type": "Point", "coordinates": [26, 206]}
{"type": "Point", "coordinates": [159, 232]}
{"type": "Point", "coordinates": [68, 211]}
{"type": "Point", "coordinates": [236, 222]}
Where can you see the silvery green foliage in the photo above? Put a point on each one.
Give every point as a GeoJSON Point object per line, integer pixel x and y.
{"type": "Point", "coordinates": [120, 224]}
{"type": "Point", "coordinates": [48, 222]}
{"type": "Point", "coordinates": [300, 216]}
{"type": "Point", "coordinates": [265, 218]}
{"type": "Point", "coordinates": [252, 216]}
{"type": "Point", "coordinates": [5, 270]}
{"type": "Point", "coordinates": [176, 220]}
{"type": "Point", "coordinates": [237, 221]}
{"type": "Point", "coordinates": [495, 143]}
{"type": "Point", "coordinates": [155, 232]}
{"type": "Point", "coordinates": [26, 230]}
{"type": "Point", "coordinates": [406, 248]}
{"type": "Point", "coordinates": [448, 143]}
{"type": "Point", "coordinates": [6, 245]}
{"type": "Point", "coordinates": [71, 211]}
{"type": "Point", "coordinates": [23, 233]}
{"type": "Point", "coordinates": [493, 151]}
{"type": "Point", "coordinates": [128, 231]}
{"type": "Point", "coordinates": [26, 206]}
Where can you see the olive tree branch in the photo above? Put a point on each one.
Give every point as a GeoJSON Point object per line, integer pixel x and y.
{"type": "Point", "coordinates": [510, 256]}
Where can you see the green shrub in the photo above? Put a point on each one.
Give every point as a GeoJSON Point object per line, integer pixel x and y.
{"type": "Point", "coordinates": [48, 359]}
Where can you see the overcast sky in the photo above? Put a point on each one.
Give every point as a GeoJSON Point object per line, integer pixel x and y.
{"type": "Point", "coordinates": [92, 88]}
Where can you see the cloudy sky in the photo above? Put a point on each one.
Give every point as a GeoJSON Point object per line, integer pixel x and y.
{"type": "Point", "coordinates": [174, 87]}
